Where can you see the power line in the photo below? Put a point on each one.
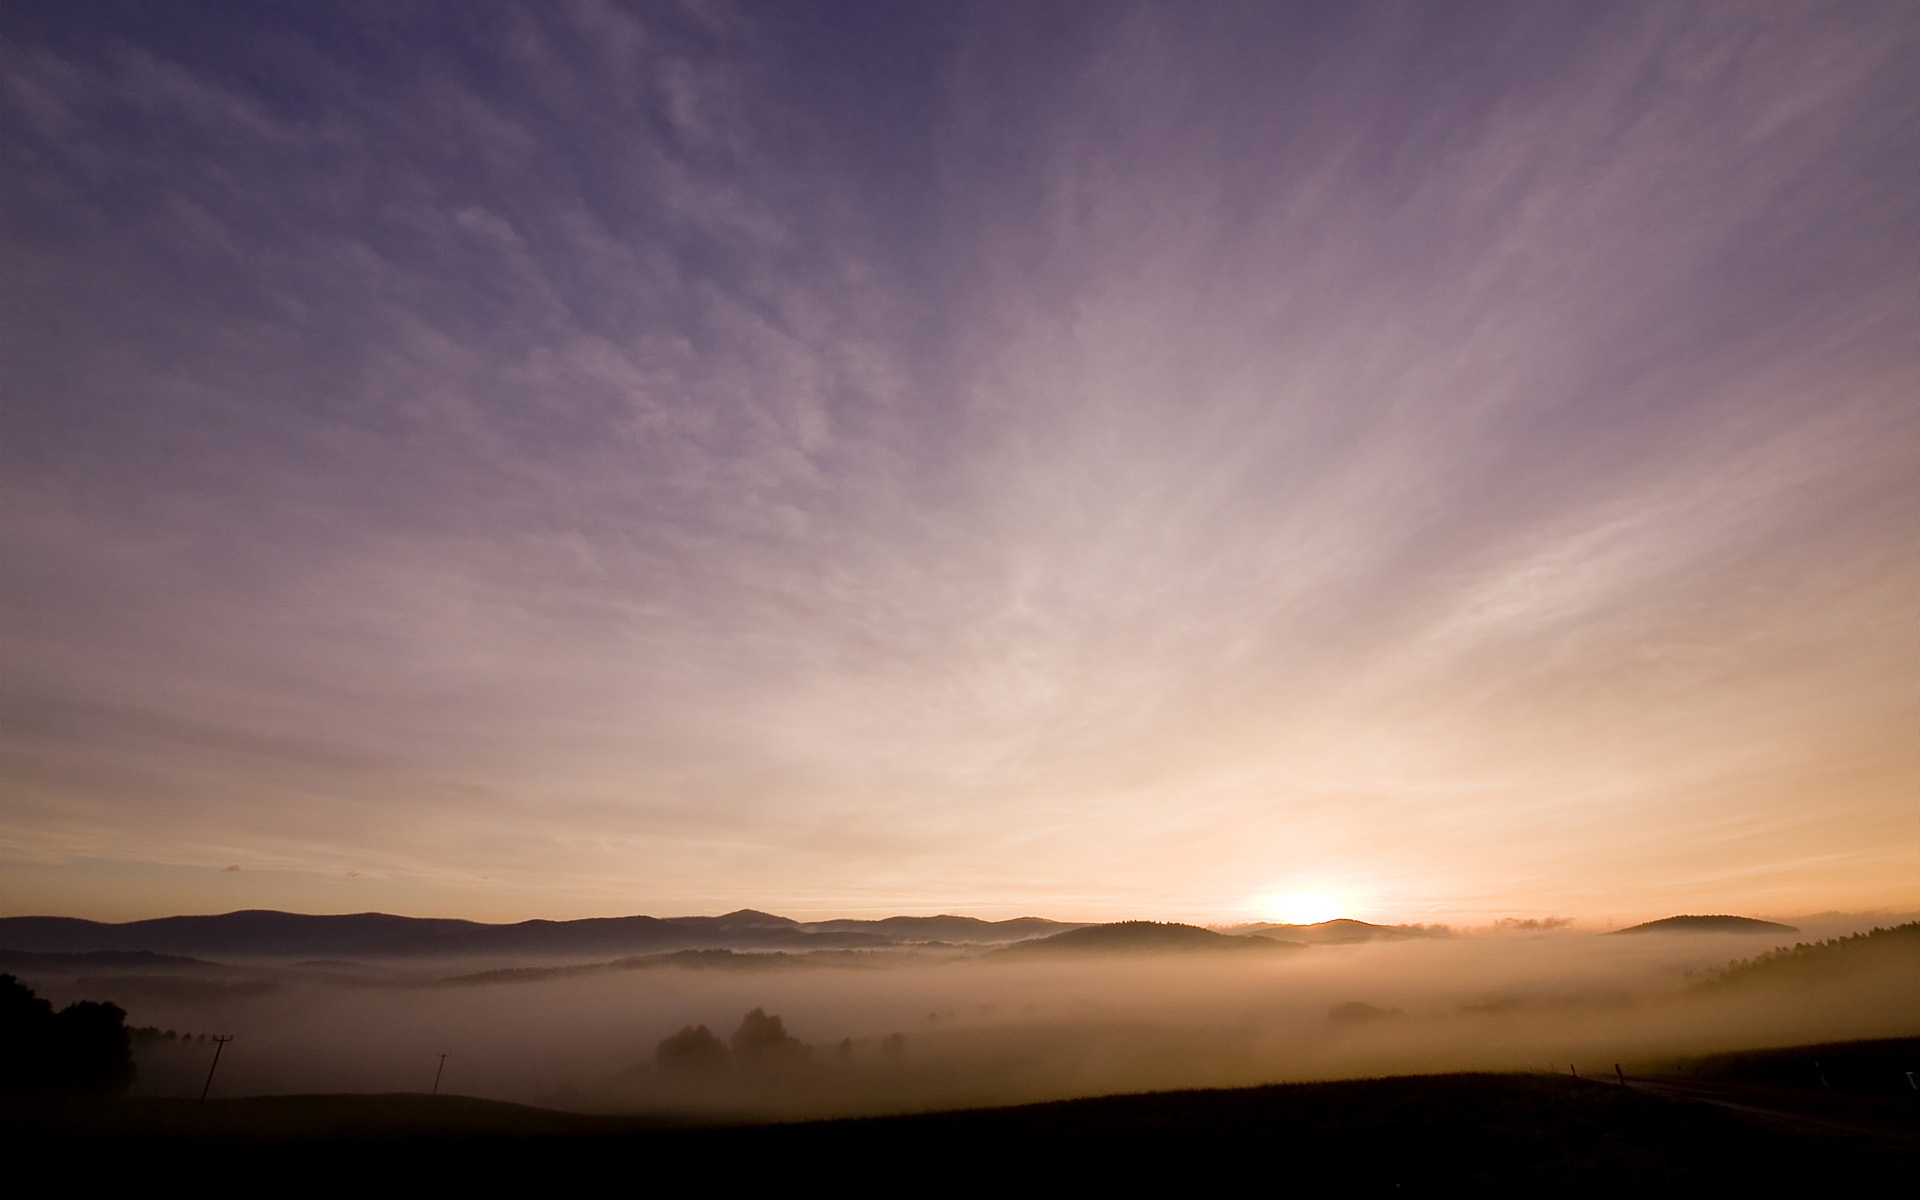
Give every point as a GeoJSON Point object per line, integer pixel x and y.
{"type": "Point", "coordinates": [219, 1044]}
{"type": "Point", "coordinates": [436, 1075]}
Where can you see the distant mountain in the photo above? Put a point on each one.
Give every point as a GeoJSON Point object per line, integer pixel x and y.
{"type": "Point", "coordinates": [258, 933]}
{"type": "Point", "coordinates": [1714, 924]}
{"type": "Point", "coordinates": [744, 920]}
{"type": "Point", "coordinates": [1341, 930]}
{"type": "Point", "coordinates": [267, 934]}
{"type": "Point", "coordinates": [1140, 937]}
{"type": "Point", "coordinates": [965, 930]}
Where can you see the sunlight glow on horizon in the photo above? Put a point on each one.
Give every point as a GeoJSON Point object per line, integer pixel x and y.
{"type": "Point", "coordinates": [1300, 908]}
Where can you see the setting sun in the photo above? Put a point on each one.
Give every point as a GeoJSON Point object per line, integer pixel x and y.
{"type": "Point", "coordinates": [1301, 908]}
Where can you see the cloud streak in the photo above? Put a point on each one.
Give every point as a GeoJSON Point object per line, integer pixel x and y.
{"type": "Point", "coordinates": [1123, 459]}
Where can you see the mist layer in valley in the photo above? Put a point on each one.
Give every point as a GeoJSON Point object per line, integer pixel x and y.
{"type": "Point", "coordinates": [713, 1031]}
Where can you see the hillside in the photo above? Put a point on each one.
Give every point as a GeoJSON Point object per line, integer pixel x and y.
{"type": "Point", "coordinates": [1814, 962]}
{"type": "Point", "coordinates": [1492, 1134]}
{"type": "Point", "coordinates": [1865, 1068]}
{"type": "Point", "coordinates": [1712, 924]}
{"type": "Point", "coordinates": [1141, 937]}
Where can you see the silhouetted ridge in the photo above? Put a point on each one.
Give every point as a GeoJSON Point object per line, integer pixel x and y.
{"type": "Point", "coordinates": [949, 928]}
{"type": "Point", "coordinates": [1712, 924]}
{"type": "Point", "coordinates": [742, 918]}
{"type": "Point", "coordinates": [1141, 937]}
{"type": "Point", "coordinates": [259, 933]}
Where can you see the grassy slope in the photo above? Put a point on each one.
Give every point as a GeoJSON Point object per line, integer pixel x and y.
{"type": "Point", "coordinates": [1504, 1131]}
{"type": "Point", "coordinates": [1864, 1068]}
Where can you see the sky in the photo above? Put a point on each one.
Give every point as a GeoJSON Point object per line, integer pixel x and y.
{"type": "Point", "coordinates": [1090, 460]}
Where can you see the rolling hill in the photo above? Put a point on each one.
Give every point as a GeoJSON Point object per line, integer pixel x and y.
{"type": "Point", "coordinates": [1141, 937]}
{"type": "Point", "coordinates": [1713, 924]}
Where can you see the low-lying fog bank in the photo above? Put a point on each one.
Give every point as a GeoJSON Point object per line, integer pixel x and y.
{"type": "Point", "coordinates": [902, 1029]}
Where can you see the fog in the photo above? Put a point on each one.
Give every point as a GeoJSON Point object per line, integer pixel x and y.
{"type": "Point", "coordinates": [901, 1030]}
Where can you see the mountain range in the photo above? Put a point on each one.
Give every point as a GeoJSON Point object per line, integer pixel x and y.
{"type": "Point", "coordinates": [268, 934]}
{"type": "Point", "coordinates": [259, 933]}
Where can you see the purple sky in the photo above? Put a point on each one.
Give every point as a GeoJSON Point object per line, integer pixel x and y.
{"type": "Point", "coordinates": [565, 459]}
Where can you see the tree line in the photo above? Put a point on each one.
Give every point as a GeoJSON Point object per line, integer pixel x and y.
{"type": "Point", "coordinates": [1805, 959]}
{"type": "Point", "coordinates": [761, 1044]}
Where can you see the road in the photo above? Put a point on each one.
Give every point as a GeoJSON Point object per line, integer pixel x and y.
{"type": "Point", "coordinates": [1839, 1112]}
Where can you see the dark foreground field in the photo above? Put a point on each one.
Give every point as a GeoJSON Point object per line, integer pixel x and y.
{"type": "Point", "coordinates": [1404, 1135]}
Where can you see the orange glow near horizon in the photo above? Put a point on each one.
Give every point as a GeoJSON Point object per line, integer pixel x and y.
{"type": "Point", "coordinates": [1300, 908]}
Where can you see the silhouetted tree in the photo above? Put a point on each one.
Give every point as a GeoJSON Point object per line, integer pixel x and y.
{"type": "Point", "coordinates": [84, 1047]}
{"type": "Point", "coordinates": [95, 1053]}
{"type": "Point", "coordinates": [693, 1051]}
{"type": "Point", "coordinates": [763, 1040]}
{"type": "Point", "coordinates": [26, 1036]}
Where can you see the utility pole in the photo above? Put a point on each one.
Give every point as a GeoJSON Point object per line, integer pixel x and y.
{"type": "Point", "coordinates": [436, 1075]}
{"type": "Point", "coordinates": [219, 1044]}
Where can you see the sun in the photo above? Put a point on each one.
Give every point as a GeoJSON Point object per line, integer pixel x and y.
{"type": "Point", "coordinates": [1302, 908]}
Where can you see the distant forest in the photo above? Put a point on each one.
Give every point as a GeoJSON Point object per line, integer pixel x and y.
{"type": "Point", "coordinates": [1807, 962]}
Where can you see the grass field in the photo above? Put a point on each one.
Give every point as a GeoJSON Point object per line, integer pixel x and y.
{"type": "Point", "coordinates": [1402, 1135]}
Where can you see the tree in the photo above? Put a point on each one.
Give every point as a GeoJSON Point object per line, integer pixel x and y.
{"type": "Point", "coordinates": [693, 1051]}
{"type": "Point", "coordinates": [84, 1047]}
{"type": "Point", "coordinates": [763, 1040]}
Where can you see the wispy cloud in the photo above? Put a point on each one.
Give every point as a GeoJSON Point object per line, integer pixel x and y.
{"type": "Point", "coordinates": [1122, 455]}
